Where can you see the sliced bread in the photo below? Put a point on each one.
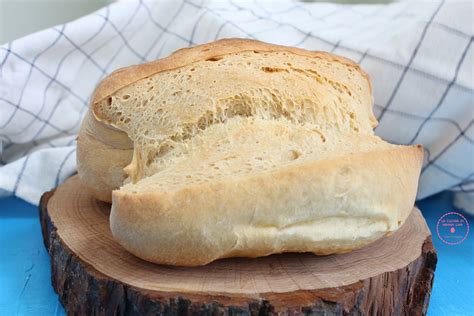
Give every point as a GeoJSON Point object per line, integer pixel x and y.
{"type": "Point", "coordinates": [242, 148]}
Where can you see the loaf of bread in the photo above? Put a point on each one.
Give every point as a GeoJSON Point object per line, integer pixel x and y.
{"type": "Point", "coordinates": [242, 148]}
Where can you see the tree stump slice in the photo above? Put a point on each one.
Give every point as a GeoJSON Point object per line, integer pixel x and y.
{"type": "Point", "coordinates": [94, 275]}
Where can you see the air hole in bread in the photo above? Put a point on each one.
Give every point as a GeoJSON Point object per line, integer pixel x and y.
{"type": "Point", "coordinates": [215, 58]}
{"type": "Point", "coordinates": [273, 69]}
{"type": "Point", "coordinates": [295, 154]}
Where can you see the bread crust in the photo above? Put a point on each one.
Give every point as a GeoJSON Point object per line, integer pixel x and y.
{"type": "Point", "coordinates": [102, 153]}
{"type": "Point", "coordinates": [272, 212]}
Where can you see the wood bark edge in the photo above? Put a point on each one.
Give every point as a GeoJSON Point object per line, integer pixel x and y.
{"type": "Point", "coordinates": [83, 290]}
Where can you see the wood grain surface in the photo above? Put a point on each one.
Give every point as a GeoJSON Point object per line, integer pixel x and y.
{"type": "Point", "coordinates": [93, 274]}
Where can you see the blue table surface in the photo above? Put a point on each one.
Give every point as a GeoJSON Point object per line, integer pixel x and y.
{"type": "Point", "coordinates": [25, 284]}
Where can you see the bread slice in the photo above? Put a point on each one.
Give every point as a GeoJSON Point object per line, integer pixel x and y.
{"type": "Point", "coordinates": [241, 148]}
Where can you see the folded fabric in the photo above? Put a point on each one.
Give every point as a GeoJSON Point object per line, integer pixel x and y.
{"type": "Point", "coordinates": [419, 55]}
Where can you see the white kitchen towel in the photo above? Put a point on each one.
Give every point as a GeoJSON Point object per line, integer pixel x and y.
{"type": "Point", "coordinates": [419, 55]}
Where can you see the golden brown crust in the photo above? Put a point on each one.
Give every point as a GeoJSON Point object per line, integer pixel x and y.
{"type": "Point", "coordinates": [185, 56]}
{"type": "Point", "coordinates": [102, 153]}
{"type": "Point", "coordinates": [283, 210]}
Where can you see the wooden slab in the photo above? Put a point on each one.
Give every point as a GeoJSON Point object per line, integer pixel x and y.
{"type": "Point", "coordinates": [94, 275]}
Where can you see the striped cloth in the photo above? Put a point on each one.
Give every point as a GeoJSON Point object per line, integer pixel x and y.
{"type": "Point", "coordinates": [418, 54]}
